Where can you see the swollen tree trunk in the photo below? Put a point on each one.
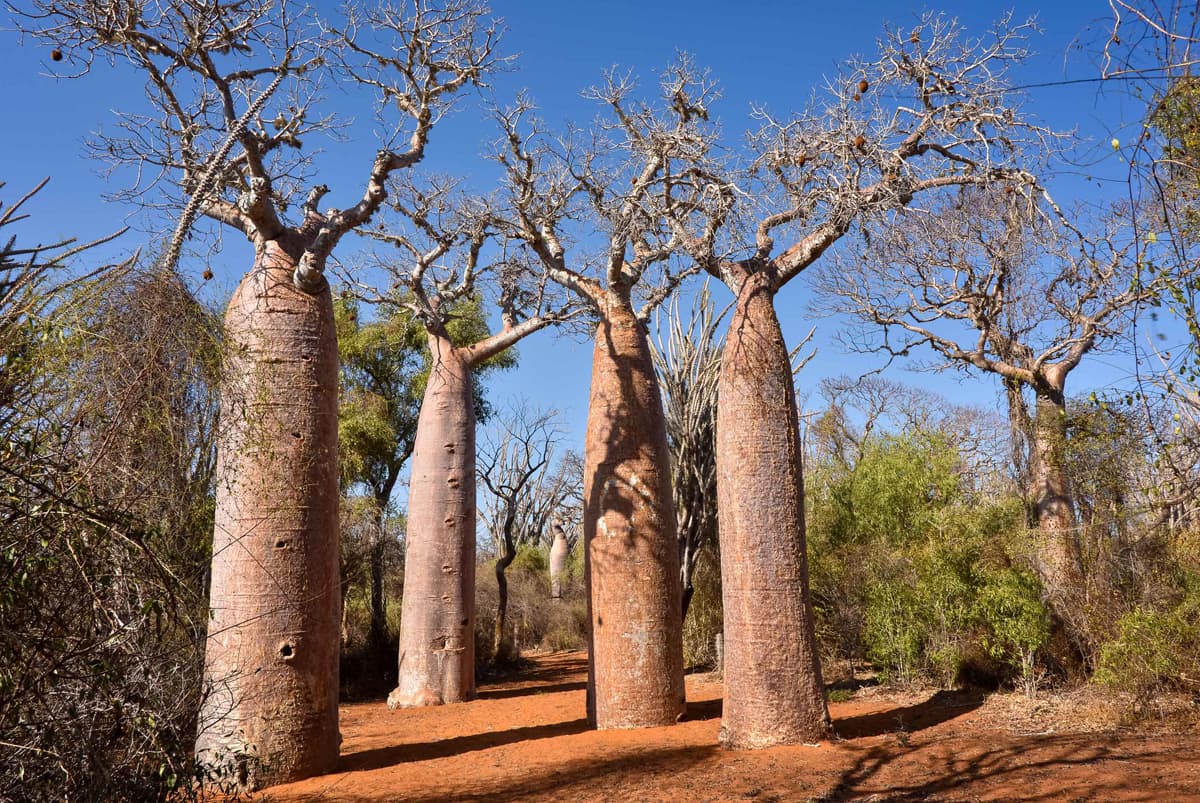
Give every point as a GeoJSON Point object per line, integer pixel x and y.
{"type": "Point", "coordinates": [773, 689]}
{"type": "Point", "coordinates": [1058, 554]}
{"type": "Point", "coordinates": [558, 562]}
{"type": "Point", "coordinates": [437, 620]}
{"type": "Point", "coordinates": [271, 662]}
{"type": "Point", "coordinates": [635, 662]}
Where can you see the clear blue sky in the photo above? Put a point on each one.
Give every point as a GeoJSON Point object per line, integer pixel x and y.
{"type": "Point", "coordinates": [767, 52]}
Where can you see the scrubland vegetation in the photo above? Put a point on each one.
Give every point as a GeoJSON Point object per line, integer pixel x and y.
{"type": "Point", "coordinates": [203, 546]}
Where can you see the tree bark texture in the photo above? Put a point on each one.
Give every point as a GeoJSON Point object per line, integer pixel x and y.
{"type": "Point", "coordinates": [1058, 550]}
{"type": "Point", "coordinates": [773, 688]}
{"type": "Point", "coordinates": [270, 713]}
{"type": "Point", "coordinates": [501, 644]}
{"type": "Point", "coordinates": [437, 620]}
{"type": "Point", "coordinates": [635, 676]}
{"type": "Point", "coordinates": [558, 562]}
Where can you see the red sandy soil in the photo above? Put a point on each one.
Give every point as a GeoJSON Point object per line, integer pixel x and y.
{"type": "Point", "coordinates": [528, 740]}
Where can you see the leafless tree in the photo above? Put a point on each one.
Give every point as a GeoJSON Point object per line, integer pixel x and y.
{"type": "Point", "coordinates": [107, 389]}
{"type": "Point", "coordinates": [522, 496]}
{"type": "Point", "coordinates": [929, 112]}
{"type": "Point", "coordinates": [1151, 48]}
{"type": "Point", "coordinates": [988, 283]}
{"type": "Point", "coordinates": [232, 98]}
{"type": "Point", "coordinates": [856, 408]}
{"type": "Point", "coordinates": [590, 206]}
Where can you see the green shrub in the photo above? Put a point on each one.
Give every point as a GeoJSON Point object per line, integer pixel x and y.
{"type": "Point", "coordinates": [1153, 651]}
{"type": "Point", "coordinates": [703, 621]}
{"type": "Point", "coordinates": [1010, 604]}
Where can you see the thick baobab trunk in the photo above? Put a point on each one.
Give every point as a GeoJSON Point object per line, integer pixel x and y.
{"type": "Point", "coordinates": [271, 662]}
{"type": "Point", "coordinates": [635, 666]}
{"type": "Point", "coordinates": [773, 689]}
{"type": "Point", "coordinates": [558, 561]}
{"type": "Point", "coordinates": [437, 619]}
{"type": "Point", "coordinates": [1058, 553]}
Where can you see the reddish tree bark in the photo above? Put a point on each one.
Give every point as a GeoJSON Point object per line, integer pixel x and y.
{"type": "Point", "coordinates": [437, 615]}
{"type": "Point", "coordinates": [635, 666]}
{"type": "Point", "coordinates": [271, 663]}
{"type": "Point", "coordinates": [773, 688]}
{"type": "Point", "coordinates": [437, 620]}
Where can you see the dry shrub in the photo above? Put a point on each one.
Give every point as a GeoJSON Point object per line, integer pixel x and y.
{"type": "Point", "coordinates": [107, 423]}
{"type": "Point", "coordinates": [537, 621]}
{"type": "Point", "coordinates": [703, 621]}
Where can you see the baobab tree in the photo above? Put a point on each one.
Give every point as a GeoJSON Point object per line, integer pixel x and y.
{"type": "Point", "coordinates": [929, 112]}
{"type": "Point", "coordinates": [232, 89]}
{"type": "Point", "coordinates": [613, 180]}
{"type": "Point", "coordinates": [385, 365]}
{"type": "Point", "coordinates": [523, 495]}
{"type": "Point", "coordinates": [990, 282]}
{"type": "Point", "coordinates": [445, 250]}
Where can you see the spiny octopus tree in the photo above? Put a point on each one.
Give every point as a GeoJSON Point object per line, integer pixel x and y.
{"type": "Point", "coordinates": [448, 251]}
{"type": "Point", "coordinates": [589, 206]}
{"type": "Point", "coordinates": [930, 112]}
{"type": "Point", "coordinates": [232, 91]}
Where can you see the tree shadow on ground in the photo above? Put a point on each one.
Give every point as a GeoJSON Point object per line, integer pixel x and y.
{"type": "Point", "coordinates": [703, 709]}
{"type": "Point", "coordinates": [557, 672]}
{"type": "Point", "coordinates": [522, 691]}
{"type": "Point", "coordinates": [608, 777]}
{"type": "Point", "coordinates": [941, 707]}
{"type": "Point", "coordinates": [851, 684]}
{"type": "Point", "coordinates": [969, 774]}
{"type": "Point", "coordinates": [381, 757]}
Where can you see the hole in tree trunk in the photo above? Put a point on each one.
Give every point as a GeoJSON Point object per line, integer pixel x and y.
{"type": "Point", "coordinates": [286, 651]}
{"type": "Point", "coordinates": [297, 436]}
{"type": "Point", "coordinates": [281, 544]}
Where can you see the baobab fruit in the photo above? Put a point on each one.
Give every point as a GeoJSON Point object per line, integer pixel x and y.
{"type": "Point", "coordinates": [860, 142]}
{"type": "Point", "coordinates": [857, 97]}
{"type": "Point", "coordinates": [801, 159]}
{"type": "Point", "coordinates": [863, 86]}
{"type": "Point", "coordinates": [56, 55]}
{"type": "Point", "coordinates": [207, 274]}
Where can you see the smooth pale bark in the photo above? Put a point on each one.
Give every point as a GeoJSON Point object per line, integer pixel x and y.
{"type": "Point", "coordinates": [635, 666]}
{"type": "Point", "coordinates": [437, 620]}
{"type": "Point", "coordinates": [271, 662]}
{"type": "Point", "coordinates": [773, 689]}
{"type": "Point", "coordinates": [558, 562]}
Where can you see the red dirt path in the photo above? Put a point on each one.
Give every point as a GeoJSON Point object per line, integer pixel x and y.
{"type": "Point", "coordinates": [528, 740]}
